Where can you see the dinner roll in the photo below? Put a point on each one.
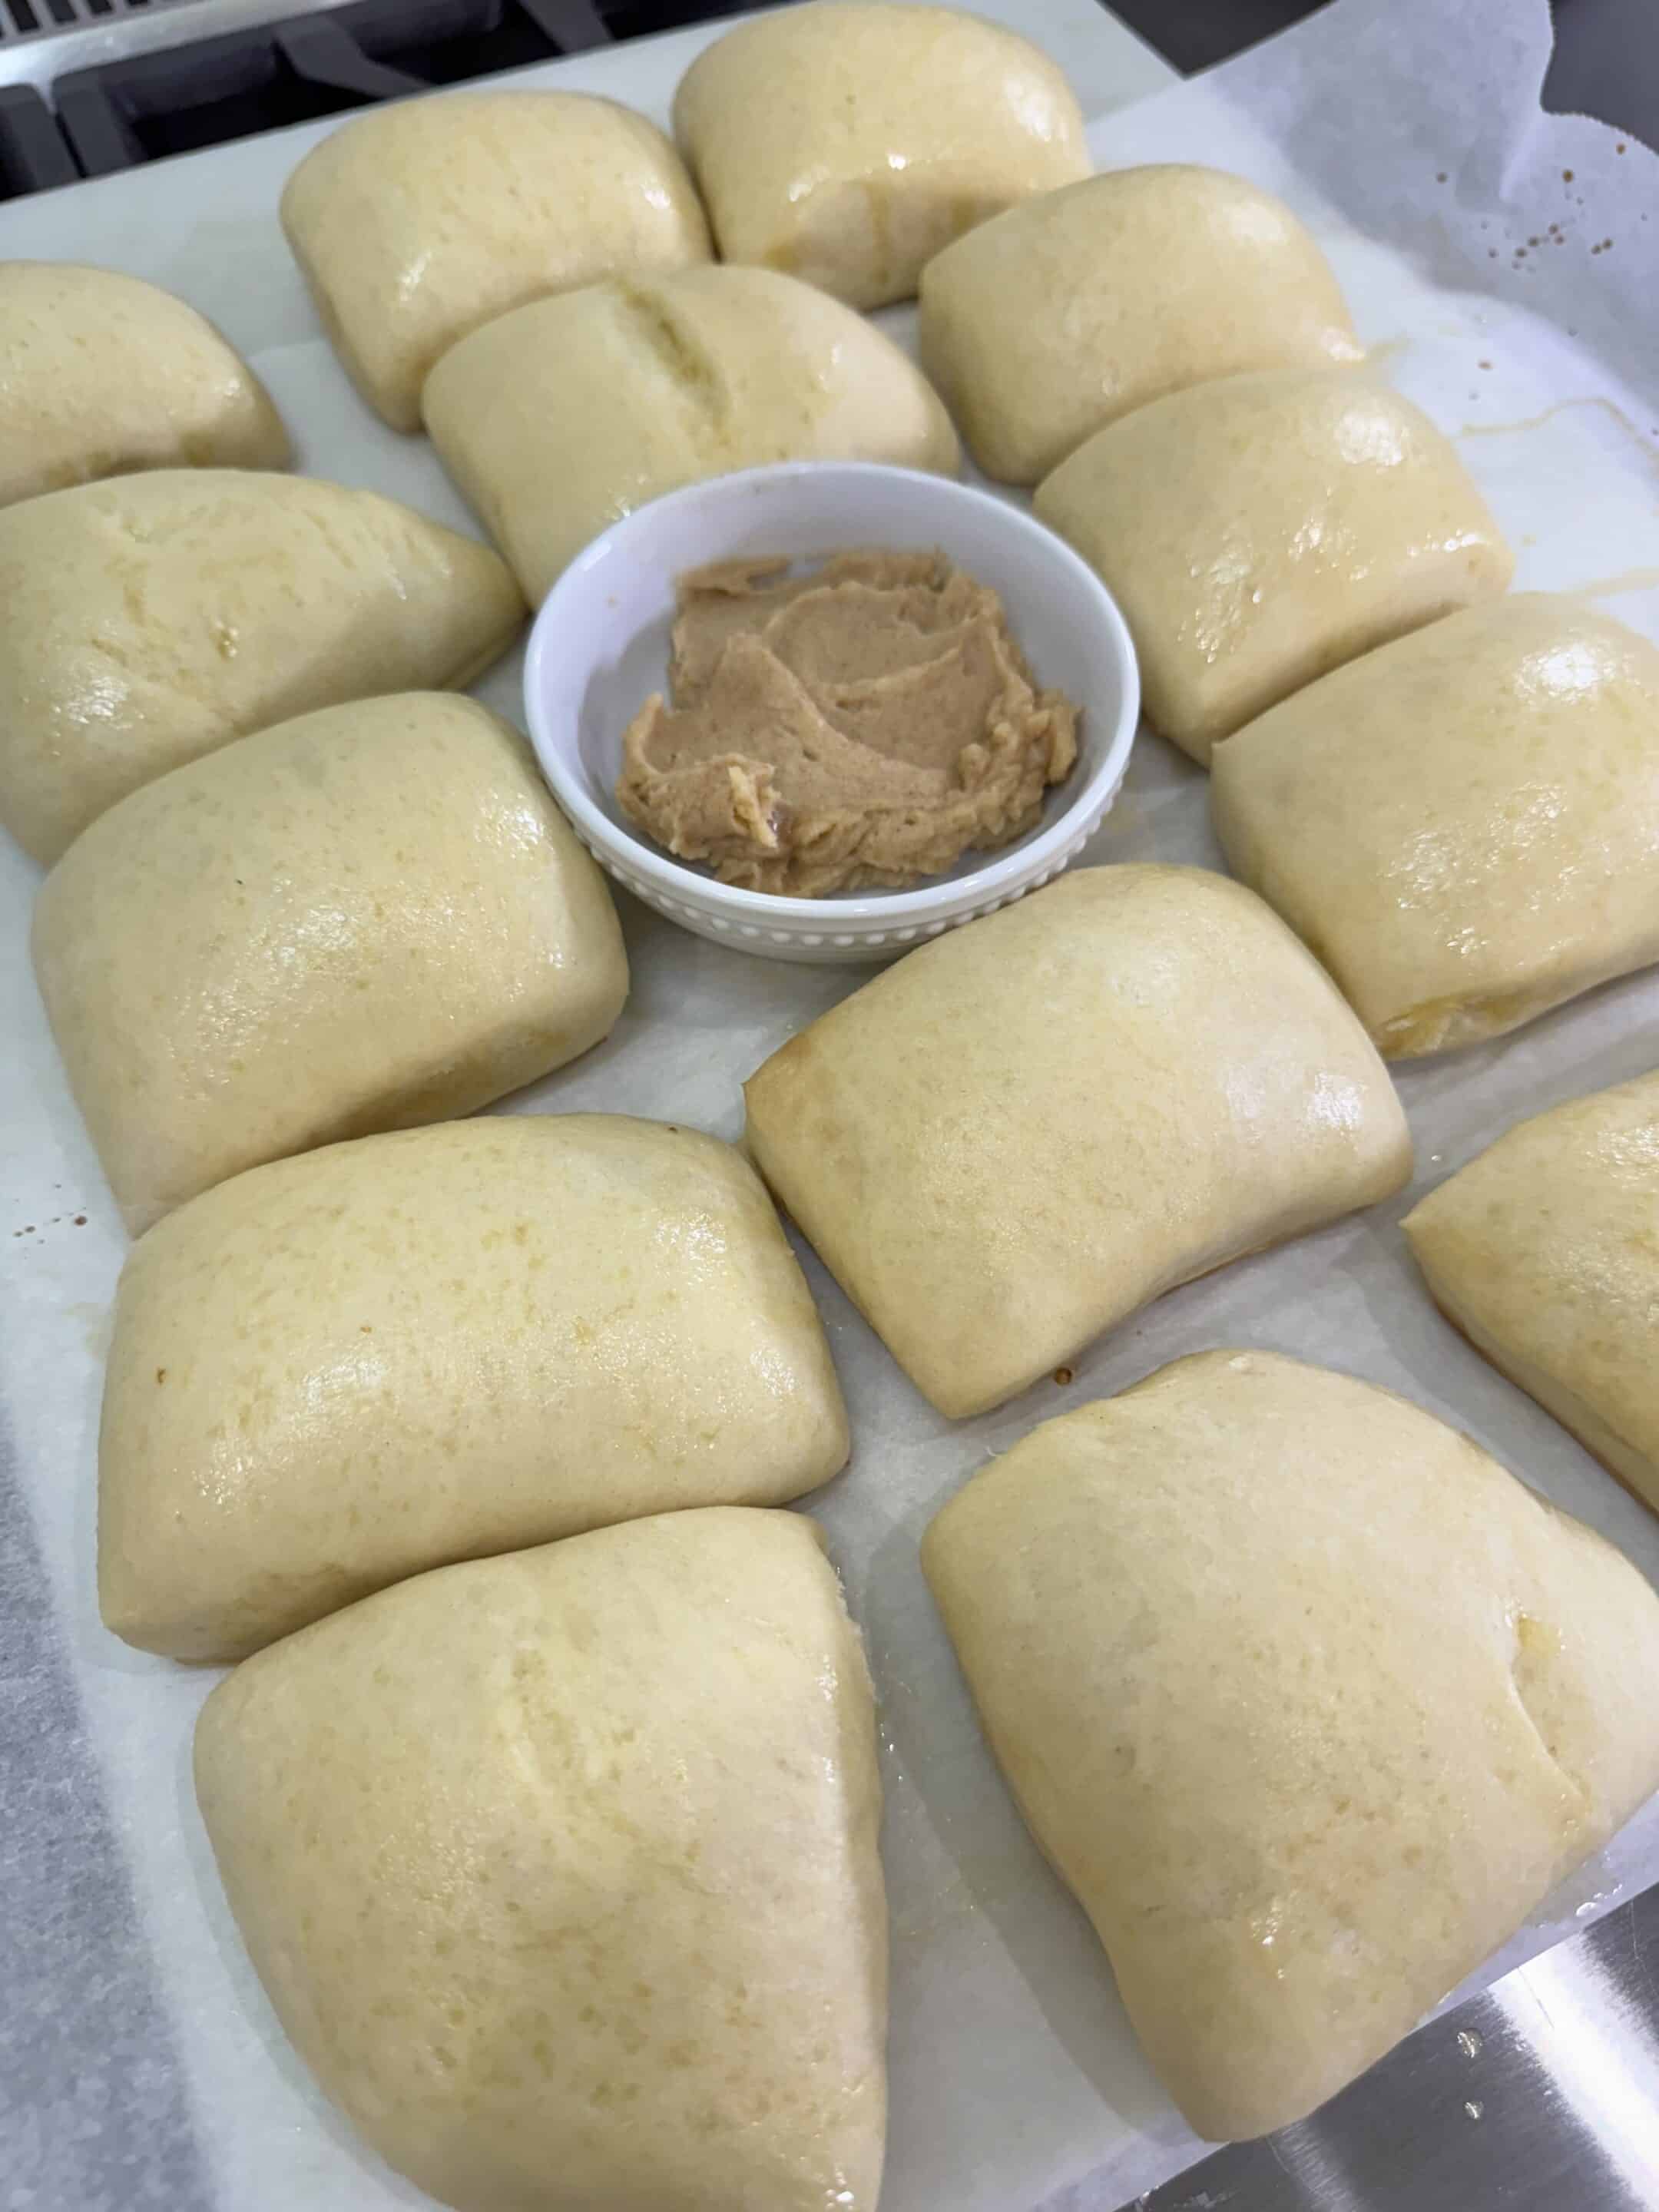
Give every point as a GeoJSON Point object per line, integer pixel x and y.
{"type": "Point", "coordinates": [529, 1325]}
{"type": "Point", "coordinates": [1309, 1701]}
{"type": "Point", "coordinates": [1259, 530]}
{"type": "Point", "coordinates": [846, 144]}
{"type": "Point", "coordinates": [561, 1871]}
{"type": "Point", "coordinates": [366, 918]}
{"type": "Point", "coordinates": [101, 373]}
{"type": "Point", "coordinates": [417, 221]}
{"type": "Point", "coordinates": [1464, 825]}
{"type": "Point", "coordinates": [1545, 1252]}
{"type": "Point", "coordinates": [144, 623]}
{"type": "Point", "coordinates": [558, 418]}
{"type": "Point", "coordinates": [1073, 309]}
{"type": "Point", "coordinates": [1018, 1135]}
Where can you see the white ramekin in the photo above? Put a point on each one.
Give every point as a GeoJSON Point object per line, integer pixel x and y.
{"type": "Point", "coordinates": [599, 647]}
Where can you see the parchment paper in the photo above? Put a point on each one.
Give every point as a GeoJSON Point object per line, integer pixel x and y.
{"type": "Point", "coordinates": [1504, 264]}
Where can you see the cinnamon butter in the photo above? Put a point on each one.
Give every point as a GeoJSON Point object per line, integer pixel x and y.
{"type": "Point", "coordinates": [866, 724]}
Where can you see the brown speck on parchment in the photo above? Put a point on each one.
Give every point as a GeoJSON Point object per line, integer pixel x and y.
{"type": "Point", "coordinates": [161, 1374]}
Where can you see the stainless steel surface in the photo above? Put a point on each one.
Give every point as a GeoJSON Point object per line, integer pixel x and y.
{"type": "Point", "coordinates": [1540, 2095]}
{"type": "Point", "coordinates": [89, 40]}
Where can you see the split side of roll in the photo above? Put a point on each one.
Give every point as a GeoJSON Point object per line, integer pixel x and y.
{"type": "Point", "coordinates": [560, 418]}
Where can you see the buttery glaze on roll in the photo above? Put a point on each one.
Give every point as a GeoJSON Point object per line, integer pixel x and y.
{"type": "Point", "coordinates": [846, 144]}
{"type": "Point", "coordinates": [1544, 1250]}
{"type": "Point", "coordinates": [1260, 531]}
{"type": "Point", "coordinates": [102, 374]}
{"type": "Point", "coordinates": [340, 1370]}
{"type": "Point", "coordinates": [1464, 826]}
{"type": "Point", "coordinates": [207, 603]}
{"type": "Point", "coordinates": [1308, 1700]}
{"type": "Point", "coordinates": [417, 222]}
{"type": "Point", "coordinates": [1024, 1131]}
{"type": "Point", "coordinates": [555, 419]}
{"type": "Point", "coordinates": [1041, 327]}
{"type": "Point", "coordinates": [367, 919]}
{"type": "Point", "coordinates": [561, 1871]}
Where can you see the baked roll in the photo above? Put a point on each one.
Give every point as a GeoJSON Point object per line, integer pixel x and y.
{"type": "Point", "coordinates": [339, 1370]}
{"type": "Point", "coordinates": [561, 1871]}
{"type": "Point", "coordinates": [416, 223]}
{"type": "Point", "coordinates": [367, 919]}
{"type": "Point", "coordinates": [102, 374]}
{"type": "Point", "coordinates": [149, 621]}
{"type": "Point", "coordinates": [1544, 1250]}
{"type": "Point", "coordinates": [1043, 326]}
{"type": "Point", "coordinates": [1306, 1699]}
{"type": "Point", "coordinates": [1464, 824]}
{"type": "Point", "coordinates": [555, 419]}
{"type": "Point", "coordinates": [846, 144]}
{"type": "Point", "coordinates": [1259, 531]}
{"type": "Point", "coordinates": [1019, 1134]}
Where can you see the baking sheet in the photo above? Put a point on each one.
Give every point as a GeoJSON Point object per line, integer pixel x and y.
{"type": "Point", "coordinates": [1471, 233]}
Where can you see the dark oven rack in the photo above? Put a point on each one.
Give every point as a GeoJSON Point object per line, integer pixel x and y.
{"type": "Point", "coordinates": [215, 88]}
{"type": "Point", "coordinates": [34, 153]}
